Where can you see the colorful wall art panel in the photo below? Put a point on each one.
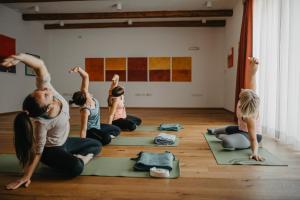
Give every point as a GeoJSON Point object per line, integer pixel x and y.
{"type": "Point", "coordinates": [95, 68]}
{"type": "Point", "coordinates": [7, 48]}
{"type": "Point", "coordinates": [182, 69]}
{"type": "Point", "coordinates": [115, 66]}
{"type": "Point", "coordinates": [137, 69]}
{"type": "Point", "coordinates": [159, 69]}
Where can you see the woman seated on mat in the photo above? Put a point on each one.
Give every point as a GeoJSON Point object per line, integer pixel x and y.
{"type": "Point", "coordinates": [116, 108]}
{"type": "Point", "coordinates": [248, 132]}
{"type": "Point", "coordinates": [90, 113]}
{"type": "Point", "coordinates": [49, 142]}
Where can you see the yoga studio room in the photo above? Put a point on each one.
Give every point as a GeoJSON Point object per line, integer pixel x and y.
{"type": "Point", "coordinates": [150, 99]}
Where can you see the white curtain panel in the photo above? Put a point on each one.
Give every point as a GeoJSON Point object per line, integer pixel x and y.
{"type": "Point", "coordinates": [276, 42]}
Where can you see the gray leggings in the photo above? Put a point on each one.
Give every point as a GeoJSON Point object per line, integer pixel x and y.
{"type": "Point", "coordinates": [233, 138]}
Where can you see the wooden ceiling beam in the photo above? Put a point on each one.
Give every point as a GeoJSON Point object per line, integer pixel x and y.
{"type": "Point", "coordinates": [208, 23]}
{"type": "Point", "coordinates": [35, 1]}
{"type": "Point", "coordinates": [128, 15]}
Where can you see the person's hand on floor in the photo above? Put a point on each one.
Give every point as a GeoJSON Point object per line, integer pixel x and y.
{"type": "Point", "coordinates": [256, 157]}
{"type": "Point", "coordinates": [23, 181]}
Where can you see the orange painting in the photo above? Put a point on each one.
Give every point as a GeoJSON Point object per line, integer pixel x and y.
{"type": "Point", "coordinates": [182, 69]}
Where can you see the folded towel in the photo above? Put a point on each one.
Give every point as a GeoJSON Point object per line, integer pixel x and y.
{"type": "Point", "coordinates": [170, 127]}
{"type": "Point", "coordinates": [147, 160]}
{"type": "Point", "coordinates": [165, 139]}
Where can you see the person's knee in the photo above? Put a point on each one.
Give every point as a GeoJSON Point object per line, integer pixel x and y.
{"type": "Point", "coordinates": [132, 127]}
{"type": "Point", "coordinates": [76, 168]}
{"type": "Point", "coordinates": [116, 130]}
{"type": "Point", "coordinates": [227, 143]}
{"type": "Point", "coordinates": [138, 121]}
{"type": "Point", "coordinates": [105, 139]}
{"type": "Point", "coordinates": [96, 148]}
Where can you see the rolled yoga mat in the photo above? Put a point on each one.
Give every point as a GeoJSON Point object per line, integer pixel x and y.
{"type": "Point", "coordinates": [239, 157]}
{"type": "Point", "coordinates": [100, 166]}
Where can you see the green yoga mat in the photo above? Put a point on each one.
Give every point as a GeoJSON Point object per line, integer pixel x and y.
{"type": "Point", "coordinates": [102, 166]}
{"type": "Point", "coordinates": [76, 127]}
{"type": "Point", "coordinates": [137, 141]}
{"type": "Point", "coordinates": [239, 157]}
{"type": "Point", "coordinates": [147, 128]}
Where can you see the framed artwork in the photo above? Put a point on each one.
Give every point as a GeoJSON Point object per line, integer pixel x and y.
{"type": "Point", "coordinates": [137, 69]}
{"type": "Point", "coordinates": [115, 66]}
{"type": "Point", "coordinates": [28, 70]}
{"type": "Point", "coordinates": [159, 69]}
{"type": "Point", "coordinates": [7, 48]}
{"type": "Point", "coordinates": [230, 58]}
{"type": "Point", "coordinates": [95, 68]}
{"type": "Point", "coordinates": [182, 69]}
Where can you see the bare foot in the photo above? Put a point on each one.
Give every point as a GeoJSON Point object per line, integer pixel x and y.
{"type": "Point", "coordinates": [86, 158]}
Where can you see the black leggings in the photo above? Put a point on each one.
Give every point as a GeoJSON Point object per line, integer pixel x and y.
{"type": "Point", "coordinates": [61, 158]}
{"type": "Point", "coordinates": [103, 134]}
{"type": "Point", "coordinates": [127, 124]}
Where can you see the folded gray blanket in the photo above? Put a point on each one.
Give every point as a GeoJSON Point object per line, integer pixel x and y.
{"type": "Point", "coordinates": [165, 139]}
{"type": "Point", "coordinates": [147, 160]}
{"type": "Point", "coordinates": [170, 127]}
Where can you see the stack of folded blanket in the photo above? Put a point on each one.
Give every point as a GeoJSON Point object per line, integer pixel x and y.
{"type": "Point", "coordinates": [170, 127]}
{"type": "Point", "coordinates": [165, 139]}
{"type": "Point", "coordinates": [147, 160]}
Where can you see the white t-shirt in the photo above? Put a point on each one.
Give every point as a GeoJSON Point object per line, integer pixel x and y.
{"type": "Point", "coordinates": [55, 131]}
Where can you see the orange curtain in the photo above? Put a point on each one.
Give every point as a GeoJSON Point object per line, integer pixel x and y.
{"type": "Point", "coordinates": [245, 49]}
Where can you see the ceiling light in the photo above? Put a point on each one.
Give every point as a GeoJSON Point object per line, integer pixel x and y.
{"type": "Point", "coordinates": [118, 6]}
{"type": "Point", "coordinates": [208, 4]}
{"type": "Point", "coordinates": [36, 8]}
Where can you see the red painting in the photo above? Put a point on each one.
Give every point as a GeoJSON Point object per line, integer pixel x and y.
{"type": "Point", "coordinates": [230, 58]}
{"type": "Point", "coordinates": [95, 68]}
{"type": "Point", "coordinates": [7, 48]}
{"type": "Point", "coordinates": [137, 69]}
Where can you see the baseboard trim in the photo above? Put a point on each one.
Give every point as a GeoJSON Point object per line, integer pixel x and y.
{"type": "Point", "coordinates": [9, 113]}
{"type": "Point", "coordinates": [228, 111]}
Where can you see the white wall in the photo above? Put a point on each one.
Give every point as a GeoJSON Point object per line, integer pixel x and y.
{"type": "Point", "coordinates": [206, 89]}
{"type": "Point", "coordinates": [232, 38]}
{"type": "Point", "coordinates": [30, 37]}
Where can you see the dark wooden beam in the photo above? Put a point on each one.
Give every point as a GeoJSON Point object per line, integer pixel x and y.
{"type": "Point", "coordinates": [129, 15]}
{"type": "Point", "coordinates": [208, 23]}
{"type": "Point", "coordinates": [35, 1]}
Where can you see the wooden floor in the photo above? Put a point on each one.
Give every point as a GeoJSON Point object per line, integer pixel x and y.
{"type": "Point", "coordinates": [201, 177]}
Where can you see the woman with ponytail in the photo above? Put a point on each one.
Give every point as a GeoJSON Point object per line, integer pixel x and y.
{"type": "Point", "coordinates": [116, 108]}
{"type": "Point", "coordinates": [46, 139]}
{"type": "Point", "coordinates": [90, 112]}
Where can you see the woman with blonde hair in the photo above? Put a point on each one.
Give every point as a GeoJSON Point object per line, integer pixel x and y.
{"type": "Point", "coordinates": [248, 132]}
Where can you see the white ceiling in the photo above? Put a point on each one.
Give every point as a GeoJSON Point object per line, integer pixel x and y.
{"type": "Point", "coordinates": [128, 5]}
